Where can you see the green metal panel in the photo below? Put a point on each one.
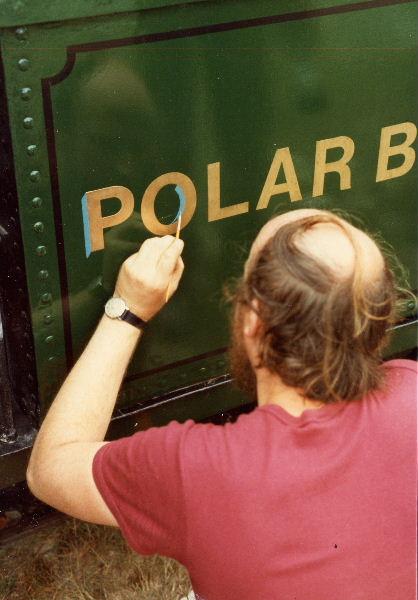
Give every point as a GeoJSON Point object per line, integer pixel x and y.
{"type": "Point", "coordinates": [15, 13]}
{"type": "Point", "coordinates": [123, 98]}
{"type": "Point", "coordinates": [27, 12]}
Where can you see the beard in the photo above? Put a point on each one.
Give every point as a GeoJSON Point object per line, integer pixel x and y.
{"type": "Point", "coordinates": [241, 368]}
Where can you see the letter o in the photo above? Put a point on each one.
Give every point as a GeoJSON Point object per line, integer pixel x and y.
{"type": "Point", "coordinates": [148, 216]}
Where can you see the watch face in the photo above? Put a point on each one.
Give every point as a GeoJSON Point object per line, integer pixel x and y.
{"type": "Point", "coordinates": [115, 307]}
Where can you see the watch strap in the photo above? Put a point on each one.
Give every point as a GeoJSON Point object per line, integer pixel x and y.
{"type": "Point", "coordinates": [132, 319]}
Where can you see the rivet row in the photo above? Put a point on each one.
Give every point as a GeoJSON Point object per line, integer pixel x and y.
{"type": "Point", "coordinates": [26, 93]}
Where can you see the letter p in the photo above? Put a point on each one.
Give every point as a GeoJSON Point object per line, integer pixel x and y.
{"type": "Point", "coordinates": [93, 220]}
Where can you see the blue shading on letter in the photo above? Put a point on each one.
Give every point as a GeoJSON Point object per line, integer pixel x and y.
{"type": "Point", "coordinates": [182, 205]}
{"type": "Point", "coordinates": [86, 224]}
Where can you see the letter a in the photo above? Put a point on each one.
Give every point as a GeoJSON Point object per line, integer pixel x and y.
{"type": "Point", "coordinates": [290, 185]}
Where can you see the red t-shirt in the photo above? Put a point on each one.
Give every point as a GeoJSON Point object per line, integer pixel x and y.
{"type": "Point", "coordinates": [316, 507]}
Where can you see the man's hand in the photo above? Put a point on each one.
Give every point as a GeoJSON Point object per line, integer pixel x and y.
{"type": "Point", "coordinates": [60, 468]}
{"type": "Point", "coordinates": [145, 277]}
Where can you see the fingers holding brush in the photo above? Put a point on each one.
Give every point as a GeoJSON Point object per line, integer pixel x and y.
{"type": "Point", "coordinates": [148, 278]}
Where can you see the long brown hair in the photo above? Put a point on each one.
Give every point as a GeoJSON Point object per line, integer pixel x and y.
{"type": "Point", "coordinates": [322, 333]}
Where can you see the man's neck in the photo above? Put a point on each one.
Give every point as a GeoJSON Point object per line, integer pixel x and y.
{"type": "Point", "coordinates": [271, 390]}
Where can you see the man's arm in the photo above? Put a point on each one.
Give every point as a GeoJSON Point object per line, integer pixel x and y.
{"type": "Point", "coordinates": [60, 467]}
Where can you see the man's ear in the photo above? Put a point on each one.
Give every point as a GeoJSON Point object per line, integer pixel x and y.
{"type": "Point", "coordinates": [252, 322]}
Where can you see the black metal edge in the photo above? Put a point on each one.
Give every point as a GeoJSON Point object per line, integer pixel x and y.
{"type": "Point", "coordinates": [7, 426]}
{"type": "Point", "coordinates": [14, 295]}
{"type": "Point", "coordinates": [21, 512]}
{"type": "Point", "coordinates": [123, 419]}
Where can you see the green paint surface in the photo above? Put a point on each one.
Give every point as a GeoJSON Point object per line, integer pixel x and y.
{"type": "Point", "coordinates": [125, 115]}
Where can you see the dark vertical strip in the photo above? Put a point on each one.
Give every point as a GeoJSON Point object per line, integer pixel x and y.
{"type": "Point", "coordinates": [7, 426]}
{"type": "Point", "coordinates": [59, 232]}
{"type": "Point", "coordinates": [18, 357]}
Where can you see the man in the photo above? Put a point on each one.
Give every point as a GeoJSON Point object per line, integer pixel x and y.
{"type": "Point", "coordinates": [309, 497]}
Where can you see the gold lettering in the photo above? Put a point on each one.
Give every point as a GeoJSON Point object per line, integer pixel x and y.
{"type": "Point", "coordinates": [281, 158]}
{"type": "Point", "coordinates": [148, 216]}
{"type": "Point", "coordinates": [215, 210]}
{"type": "Point", "coordinates": [386, 150]}
{"type": "Point", "coordinates": [339, 166]}
{"type": "Point", "coordinates": [97, 223]}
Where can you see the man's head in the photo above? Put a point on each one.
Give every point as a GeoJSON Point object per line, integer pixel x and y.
{"type": "Point", "coordinates": [313, 307]}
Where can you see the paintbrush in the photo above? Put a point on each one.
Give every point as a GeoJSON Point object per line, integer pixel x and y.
{"type": "Point", "coordinates": [178, 228]}
{"type": "Point", "coordinates": [178, 218]}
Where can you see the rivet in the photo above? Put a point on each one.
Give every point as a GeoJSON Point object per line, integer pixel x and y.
{"type": "Point", "coordinates": [43, 274]}
{"type": "Point", "coordinates": [41, 250]}
{"type": "Point", "coordinates": [21, 33]}
{"type": "Point", "coordinates": [23, 64]}
{"type": "Point", "coordinates": [34, 176]}
{"type": "Point", "coordinates": [51, 358]}
{"type": "Point", "coordinates": [46, 298]}
{"type": "Point", "coordinates": [37, 202]}
{"type": "Point", "coordinates": [48, 319]}
{"type": "Point", "coordinates": [49, 339]}
{"type": "Point", "coordinates": [411, 304]}
{"type": "Point", "coordinates": [26, 93]}
{"type": "Point", "coordinates": [28, 122]}
{"type": "Point", "coordinates": [39, 227]}
{"type": "Point", "coordinates": [12, 221]}
{"type": "Point", "coordinates": [31, 149]}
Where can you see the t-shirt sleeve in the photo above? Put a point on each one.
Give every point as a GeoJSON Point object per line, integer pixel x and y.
{"type": "Point", "coordinates": [141, 479]}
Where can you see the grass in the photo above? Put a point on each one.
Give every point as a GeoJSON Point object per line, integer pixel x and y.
{"type": "Point", "coordinates": [72, 560]}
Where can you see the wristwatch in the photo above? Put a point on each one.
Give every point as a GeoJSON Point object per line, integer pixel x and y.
{"type": "Point", "coordinates": [115, 308]}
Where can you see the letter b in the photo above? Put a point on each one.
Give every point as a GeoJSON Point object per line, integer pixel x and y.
{"type": "Point", "coordinates": [405, 149]}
